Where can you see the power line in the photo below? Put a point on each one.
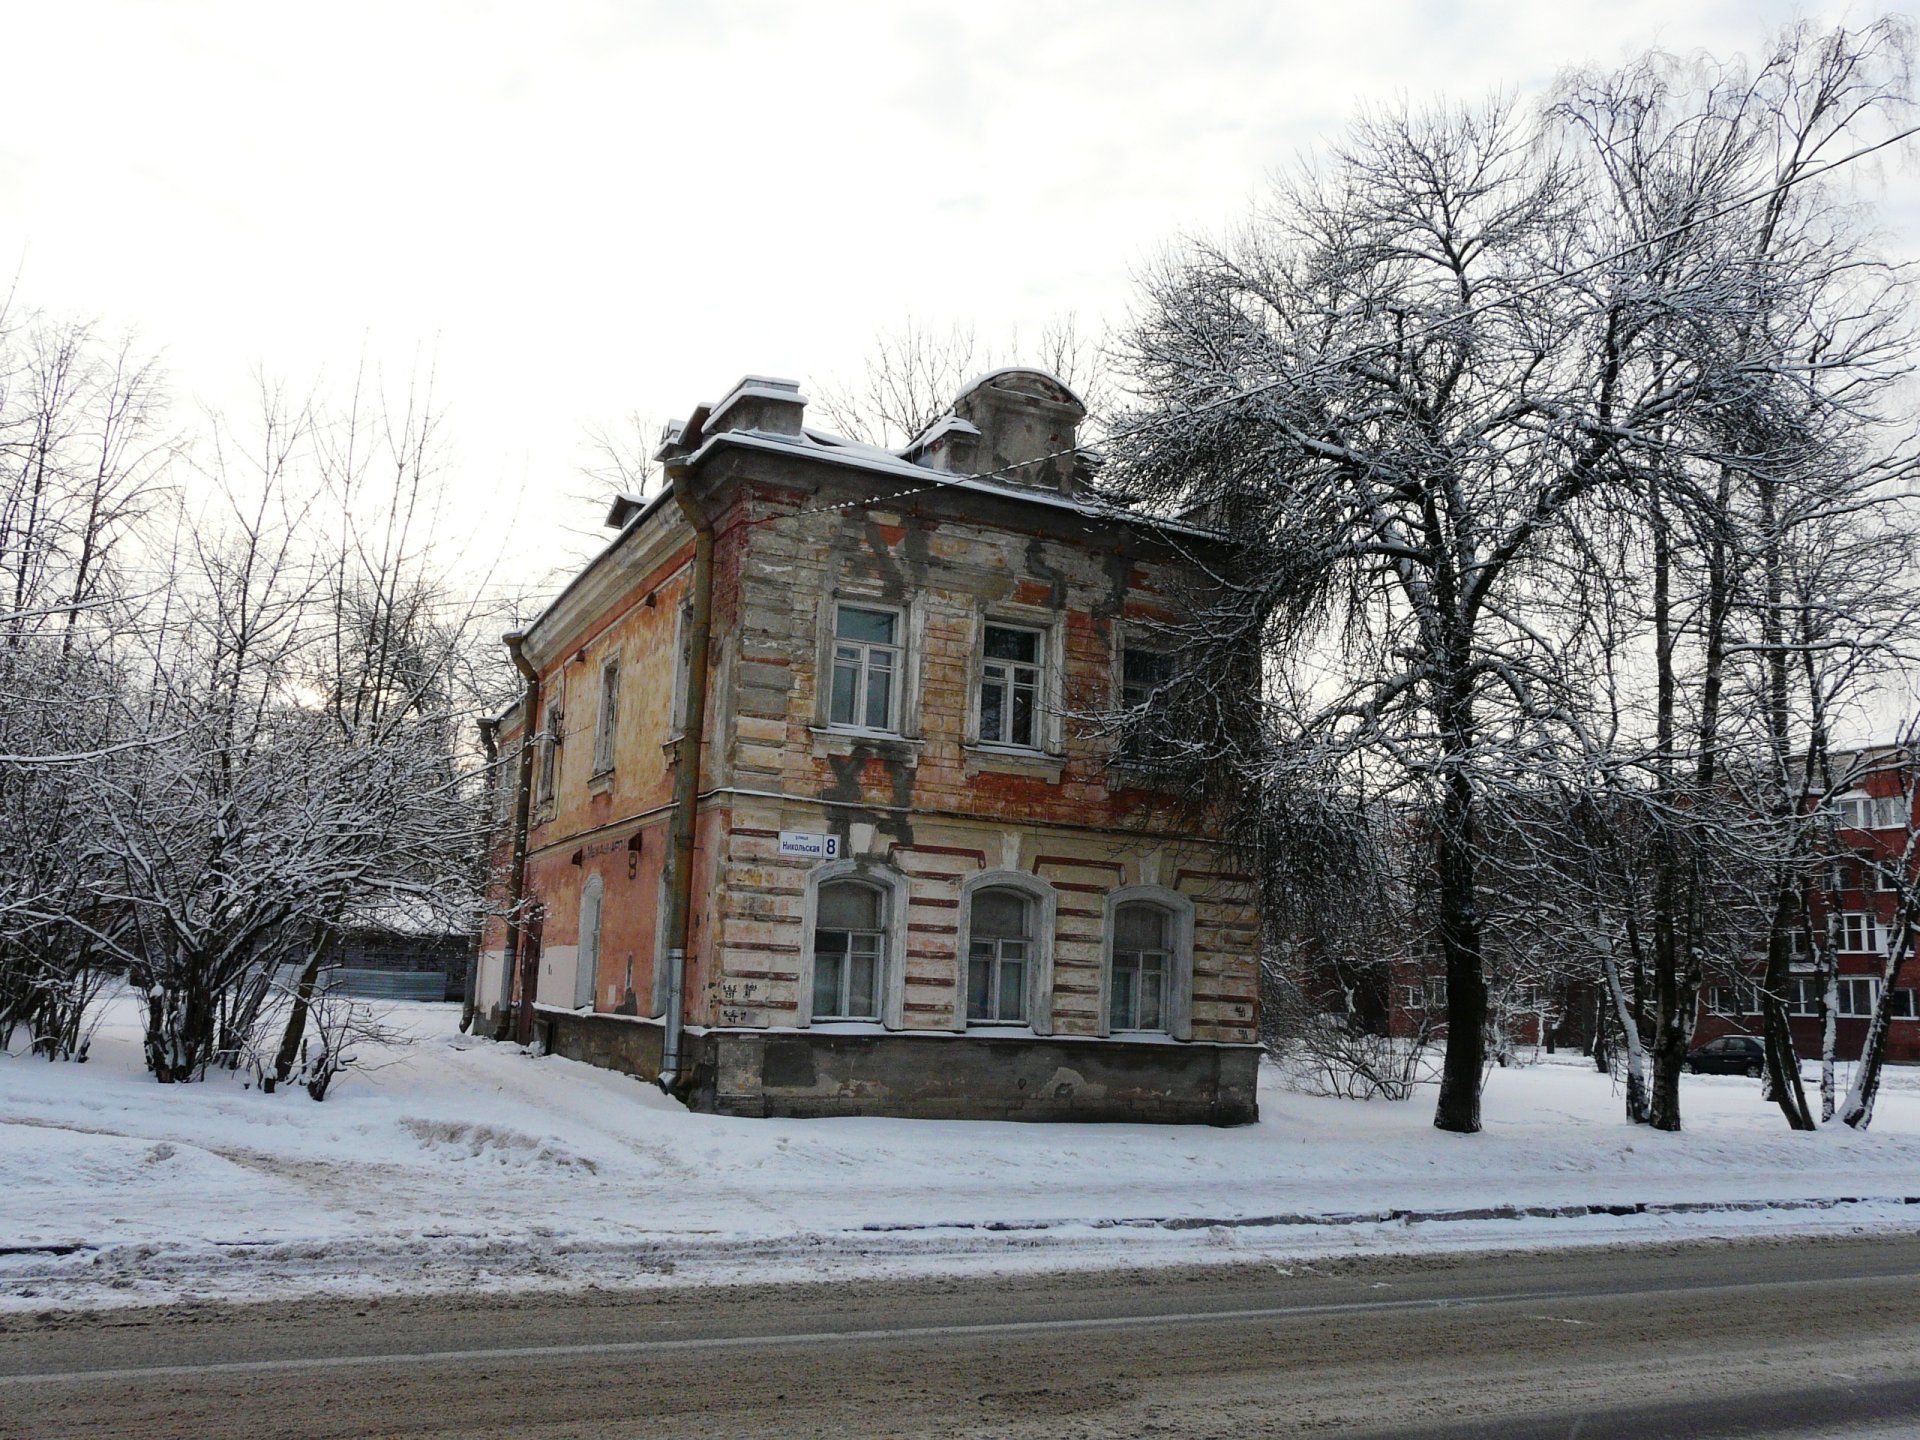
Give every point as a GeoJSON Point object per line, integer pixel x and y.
{"type": "Point", "coordinates": [1327, 365]}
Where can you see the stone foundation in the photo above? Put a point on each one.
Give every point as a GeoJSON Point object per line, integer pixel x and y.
{"type": "Point", "coordinates": [927, 1076]}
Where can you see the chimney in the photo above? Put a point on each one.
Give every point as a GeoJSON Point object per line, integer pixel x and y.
{"type": "Point", "coordinates": [1028, 422]}
{"type": "Point", "coordinates": [760, 404]}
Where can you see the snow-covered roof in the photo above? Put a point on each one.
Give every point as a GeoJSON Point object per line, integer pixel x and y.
{"type": "Point", "coordinates": [1005, 370]}
{"type": "Point", "coordinates": [833, 449]}
{"type": "Point", "coordinates": [757, 387]}
{"type": "Point", "coordinates": [937, 429]}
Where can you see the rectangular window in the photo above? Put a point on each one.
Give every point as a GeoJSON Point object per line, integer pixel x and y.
{"type": "Point", "coordinates": [1141, 673]}
{"type": "Point", "coordinates": [1858, 995]}
{"type": "Point", "coordinates": [1741, 997]}
{"type": "Point", "coordinates": [608, 723]}
{"type": "Point", "coordinates": [1902, 1007]}
{"type": "Point", "coordinates": [1010, 690]}
{"type": "Point", "coordinates": [865, 688]}
{"type": "Point", "coordinates": [1858, 933]}
{"type": "Point", "coordinates": [550, 752]}
{"type": "Point", "coordinates": [1803, 995]}
{"type": "Point", "coordinates": [1841, 875]}
{"type": "Point", "coordinates": [1889, 812]}
{"type": "Point", "coordinates": [1881, 873]}
{"type": "Point", "coordinates": [1413, 997]}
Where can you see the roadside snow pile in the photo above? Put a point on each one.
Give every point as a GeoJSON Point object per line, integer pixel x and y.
{"type": "Point", "coordinates": [455, 1163]}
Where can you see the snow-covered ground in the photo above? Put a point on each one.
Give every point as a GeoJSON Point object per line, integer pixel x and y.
{"type": "Point", "coordinates": [460, 1164]}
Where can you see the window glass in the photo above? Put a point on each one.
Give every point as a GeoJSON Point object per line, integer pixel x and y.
{"type": "Point", "coordinates": [848, 906]}
{"type": "Point", "coordinates": [998, 954]}
{"type": "Point", "coordinates": [1858, 995]}
{"type": "Point", "coordinates": [1142, 965]}
{"type": "Point", "coordinates": [1006, 643]}
{"type": "Point", "coordinates": [866, 663]}
{"type": "Point", "coordinates": [999, 912]}
{"type": "Point", "coordinates": [1010, 686]}
{"type": "Point", "coordinates": [848, 936]}
{"type": "Point", "coordinates": [1141, 673]}
{"type": "Point", "coordinates": [1901, 1006]}
{"type": "Point", "coordinates": [1857, 932]}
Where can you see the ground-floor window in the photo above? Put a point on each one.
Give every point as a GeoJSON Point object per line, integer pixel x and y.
{"type": "Point", "coordinates": [849, 940]}
{"type": "Point", "coordinates": [1858, 996]}
{"type": "Point", "coordinates": [1142, 967]}
{"type": "Point", "coordinates": [999, 952]}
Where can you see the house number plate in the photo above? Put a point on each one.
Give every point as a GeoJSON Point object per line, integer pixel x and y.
{"type": "Point", "coordinates": [813, 847]}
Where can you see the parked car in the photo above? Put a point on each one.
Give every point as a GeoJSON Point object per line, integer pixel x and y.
{"type": "Point", "coordinates": [1729, 1055]}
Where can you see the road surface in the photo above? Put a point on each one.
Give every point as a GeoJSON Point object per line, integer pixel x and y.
{"type": "Point", "coordinates": [1792, 1337]}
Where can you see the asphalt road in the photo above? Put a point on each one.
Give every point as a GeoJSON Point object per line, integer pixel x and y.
{"type": "Point", "coordinates": [1791, 1337]}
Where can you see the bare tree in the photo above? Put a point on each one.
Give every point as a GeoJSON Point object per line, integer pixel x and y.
{"type": "Point", "coordinates": [914, 373]}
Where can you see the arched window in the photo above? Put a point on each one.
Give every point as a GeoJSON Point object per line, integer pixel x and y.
{"type": "Point", "coordinates": [849, 949]}
{"type": "Point", "coordinates": [587, 952]}
{"type": "Point", "coordinates": [1149, 963]}
{"type": "Point", "coordinates": [1138, 995]}
{"type": "Point", "coordinates": [999, 957]}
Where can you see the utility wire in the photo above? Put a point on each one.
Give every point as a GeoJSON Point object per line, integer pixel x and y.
{"type": "Point", "coordinates": [1327, 365]}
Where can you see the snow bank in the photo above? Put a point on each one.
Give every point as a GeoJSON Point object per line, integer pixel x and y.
{"type": "Point", "coordinates": [457, 1163]}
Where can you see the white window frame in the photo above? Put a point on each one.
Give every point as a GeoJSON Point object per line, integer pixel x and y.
{"type": "Point", "coordinates": [1180, 915]}
{"type": "Point", "coordinates": [1803, 997]}
{"type": "Point", "coordinates": [1907, 1009]}
{"type": "Point", "coordinates": [896, 701]}
{"type": "Point", "coordinates": [1039, 686]}
{"type": "Point", "coordinates": [1860, 926]}
{"type": "Point", "coordinates": [1045, 667]}
{"type": "Point", "coordinates": [1045, 905]}
{"type": "Point", "coordinates": [586, 948]}
{"type": "Point", "coordinates": [1844, 996]}
{"type": "Point", "coordinates": [606, 725]}
{"type": "Point", "coordinates": [893, 957]}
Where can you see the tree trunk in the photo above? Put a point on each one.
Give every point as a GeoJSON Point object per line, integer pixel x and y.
{"type": "Point", "coordinates": [1783, 1061]}
{"type": "Point", "coordinates": [1638, 1109]}
{"type": "Point", "coordinates": [296, 1030]}
{"type": "Point", "coordinates": [1461, 1068]}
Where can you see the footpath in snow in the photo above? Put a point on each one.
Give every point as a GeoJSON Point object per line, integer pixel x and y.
{"type": "Point", "coordinates": [454, 1163]}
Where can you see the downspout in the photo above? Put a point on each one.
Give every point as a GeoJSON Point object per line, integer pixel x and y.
{"type": "Point", "coordinates": [489, 743]}
{"type": "Point", "coordinates": [522, 812]}
{"type": "Point", "coordinates": [686, 782]}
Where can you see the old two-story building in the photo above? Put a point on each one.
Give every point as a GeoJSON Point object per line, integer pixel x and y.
{"type": "Point", "coordinates": [804, 819]}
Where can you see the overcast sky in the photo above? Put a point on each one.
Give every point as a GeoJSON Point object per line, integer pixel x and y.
{"type": "Point", "coordinates": [580, 209]}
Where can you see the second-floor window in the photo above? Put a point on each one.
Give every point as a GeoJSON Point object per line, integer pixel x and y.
{"type": "Point", "coordinates": [550, 753]}
{"type": "Point", "coordinates": [866, 668]}
{"type": "Point", "coordinates": [1011, 671]}
{"type": "Point", "coordinates": [608, 724]}
{"type": "Point", "coordinates": [1141, 673]}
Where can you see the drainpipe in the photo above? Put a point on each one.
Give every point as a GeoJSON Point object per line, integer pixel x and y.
{"type": "Point", "coordinates": [522, 812]}
{"type": "Point", "coordinates": [686, 781]}
{"type": "Point", "coordinates": [469, 999]}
